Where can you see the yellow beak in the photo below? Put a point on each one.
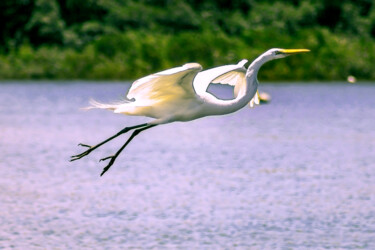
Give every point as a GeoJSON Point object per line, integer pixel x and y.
{"type": "Point", "coordinates": [294, 51]}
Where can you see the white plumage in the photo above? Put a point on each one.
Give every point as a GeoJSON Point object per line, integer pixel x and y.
{"type": "Point", "coordinates": [180, 94]}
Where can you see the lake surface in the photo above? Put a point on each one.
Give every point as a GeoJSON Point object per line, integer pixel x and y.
{"type": "Point", "coordinates": [298, 173]}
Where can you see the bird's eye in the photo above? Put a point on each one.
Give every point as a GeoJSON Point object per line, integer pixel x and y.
{"type": "Point", "coordinates": [277, 52]}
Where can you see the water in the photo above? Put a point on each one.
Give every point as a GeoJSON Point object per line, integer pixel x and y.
{"type": "Point", "coordinates": [295, 174]}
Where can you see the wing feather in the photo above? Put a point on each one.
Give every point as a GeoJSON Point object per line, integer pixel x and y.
{"type": "Point", "coordinates": [233, 75]}
{"type": "Point", "coordinates": [229, 74]}
{"type": "Point", "coordinates": [231, 78]}
{"type": "Point", "coordinates": [171, 83]}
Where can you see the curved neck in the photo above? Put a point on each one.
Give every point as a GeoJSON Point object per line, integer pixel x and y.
{"type": "Point", "coordinates": [246, 89]}
{"type": "Point", "coordinates": [258, 62]}
{"type": "Point", "coordinates": [245, 94]}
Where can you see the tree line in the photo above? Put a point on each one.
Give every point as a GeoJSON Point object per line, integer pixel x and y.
{"type": "Point", "coordinates": [125, 39]}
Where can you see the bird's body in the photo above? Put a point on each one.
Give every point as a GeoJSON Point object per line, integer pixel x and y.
{"type": "Point", "coordinates": [180, 94]}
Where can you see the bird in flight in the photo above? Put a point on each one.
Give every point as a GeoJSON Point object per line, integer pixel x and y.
{"type": "Point", "coordinates": [180, 94]}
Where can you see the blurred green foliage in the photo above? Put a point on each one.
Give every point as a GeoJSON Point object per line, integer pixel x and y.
{"type": "Point", "coordinates": [126, 39]}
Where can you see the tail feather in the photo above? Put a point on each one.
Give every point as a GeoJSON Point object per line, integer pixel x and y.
{"type": "Point", "coordinates": [98, 105]}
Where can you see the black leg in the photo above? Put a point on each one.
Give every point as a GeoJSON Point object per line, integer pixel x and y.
{"type": "Point", "coordinates": [113, 157]}
{"type": "Point", "coordinates": [92, 148]}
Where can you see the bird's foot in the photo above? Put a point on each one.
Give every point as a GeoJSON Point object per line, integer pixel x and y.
{"type": "Point", "coordinates": [108, 157]}
{"type": "Point", "coordinates": [79, 156]}
{"type": "Point", "coordinates": [113, 158]}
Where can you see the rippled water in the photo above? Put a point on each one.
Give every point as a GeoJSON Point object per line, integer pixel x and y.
{"type": "Point", "coordinates": [297, 173]}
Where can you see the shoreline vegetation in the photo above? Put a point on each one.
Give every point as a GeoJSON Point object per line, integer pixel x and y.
{"type": "Point", "coordinates": [122, 40]}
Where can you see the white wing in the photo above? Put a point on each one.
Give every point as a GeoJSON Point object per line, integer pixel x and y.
{"type": "Point", "coordinates": [165, 85]}
{"type": "Point", "coordinates": [228, 74]}
{"type": "Point", "coordinates": [234, 75]}
{"type": "Point", "coordinates": [237, 78]}
{"type": "Point", "coordinates": [234, 78]}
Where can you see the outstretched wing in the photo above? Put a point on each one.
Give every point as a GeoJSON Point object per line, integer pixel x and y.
{"type": "Point", "coordinates": [228, 74]}
{"type": "Point", "coordinates": [235, 78]}
{"type": "Point", "coordinates": [234, 75]}
{"type": "Point", "coordinates": [169, 84]}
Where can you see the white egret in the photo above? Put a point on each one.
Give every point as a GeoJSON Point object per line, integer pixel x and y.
{"type": "Point", "coordinates": [180, 94]}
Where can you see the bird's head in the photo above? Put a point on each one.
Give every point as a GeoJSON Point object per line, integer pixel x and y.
{"type": "Point", "coordinates": [280, 53]}
{"type": "Point", "coordinates": [272, 54]}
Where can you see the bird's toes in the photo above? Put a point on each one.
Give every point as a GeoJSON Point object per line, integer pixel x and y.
{"type": "Point", "coordinates": [106, 158]}
{"type": "Point", "coordinates": [84, 145]}
{"type": "Point", "coordinates": [79, 156]}
{"type": "Point", "coordinates": [75, 157]}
